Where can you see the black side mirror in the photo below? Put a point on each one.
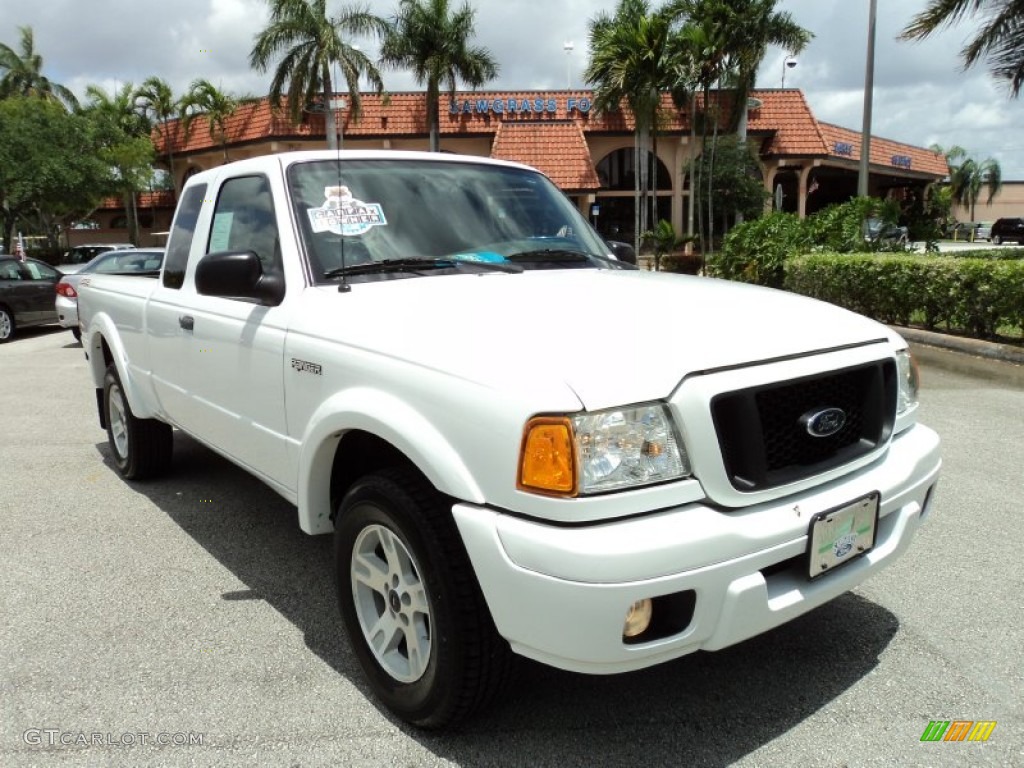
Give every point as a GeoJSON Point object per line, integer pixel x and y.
{"type": "Point", "coordinates": [623, 251]}
{"type": "Point", "coordinates": [238, 275]}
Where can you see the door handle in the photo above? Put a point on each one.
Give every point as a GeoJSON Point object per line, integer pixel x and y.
{"type": "Point", "coordinates": [187, 322]}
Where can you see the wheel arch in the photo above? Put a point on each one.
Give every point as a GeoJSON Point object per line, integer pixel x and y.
{"type": "Point", "coordinates": [105, 349]}
{"type": "Point", "coordinates": [360, 431]}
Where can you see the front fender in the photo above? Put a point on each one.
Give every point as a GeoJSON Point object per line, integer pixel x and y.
{"type": "Point", "coordinates": [102, 329]}
{"type": "Point", "coordinates": [388, 418]}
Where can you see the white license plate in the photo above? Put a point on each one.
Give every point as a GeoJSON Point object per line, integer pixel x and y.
{"type": "Point", "coordinates": [841, 535]}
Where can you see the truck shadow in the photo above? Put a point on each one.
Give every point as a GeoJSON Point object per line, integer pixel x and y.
{"type": "Point", "coordinates": [705, 709]}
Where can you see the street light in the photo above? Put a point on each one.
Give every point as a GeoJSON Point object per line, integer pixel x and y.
{"type": "Point", "coordinates": [869, 91]}
{"type": "Point", "coordinates": [788, 63]}
{"type": "Point", "coordinates": [568, 47]}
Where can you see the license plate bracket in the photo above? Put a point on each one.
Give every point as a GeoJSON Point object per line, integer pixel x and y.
{"type": "Point", "coordinates": [840, 535]}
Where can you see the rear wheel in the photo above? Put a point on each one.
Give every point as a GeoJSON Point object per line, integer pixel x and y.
{"type": "Point", "coordinates": [997, 240]}
{"type": "Point", "coordinates": [141, 448]}
{"type": "Point", "coordinates": [410, 602]}
{"type": "Point", "coordinates": [6, 325]}
{"type": "Point", "coordinates": [76, 333]}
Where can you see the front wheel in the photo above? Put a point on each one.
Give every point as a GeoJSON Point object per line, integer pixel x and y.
{"type": "Point", "coordinates": [410, 602]}
{"type": "Point", "coordinates": [141, 448]}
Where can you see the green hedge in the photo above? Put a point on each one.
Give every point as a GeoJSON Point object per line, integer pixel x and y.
{"type": "Point", "coordinates": [967, 295]}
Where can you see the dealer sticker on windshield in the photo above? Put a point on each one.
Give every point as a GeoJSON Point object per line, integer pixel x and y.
{"type": "Point", "coordinates": [343, 215]}
{"type": "Point", "coordinates": [841, 535]}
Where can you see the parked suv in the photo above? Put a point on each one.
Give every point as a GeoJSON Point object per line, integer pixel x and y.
{"type": "Point", "coordinates": [1008, 229]}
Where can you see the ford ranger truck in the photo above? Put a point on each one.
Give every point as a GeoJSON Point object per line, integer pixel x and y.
{"type": "Point", "coordinates": [519, 444]}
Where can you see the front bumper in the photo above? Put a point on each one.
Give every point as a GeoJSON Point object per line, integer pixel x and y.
{"type": "Point", "coordinates": [560, 594]}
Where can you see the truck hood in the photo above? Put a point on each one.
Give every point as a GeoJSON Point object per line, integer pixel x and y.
{"type": "Point", "coordinates": [613, 337]}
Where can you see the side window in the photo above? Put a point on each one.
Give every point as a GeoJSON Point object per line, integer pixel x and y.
{"type": "Point", "coordinates": [9, 270]}
{"type": "Point", "coordinates": [244, 220]}
{"type": "Point", "coordinates": [37, 271]}
{"type": "Point", "coordinates": [180, 241]}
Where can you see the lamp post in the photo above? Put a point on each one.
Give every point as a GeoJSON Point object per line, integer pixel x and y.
{"type": "Point", "coordinates": [869, 86]}
{"type": "Point", "coordinates": [568, 47]}
{"type": "Point", "coordinates": [337, 106]}
{"type": "Point", "coordinates": [788, 63]}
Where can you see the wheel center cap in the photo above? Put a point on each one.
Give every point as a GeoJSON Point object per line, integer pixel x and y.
{"type": "Point", "coordinates": [394, 601]}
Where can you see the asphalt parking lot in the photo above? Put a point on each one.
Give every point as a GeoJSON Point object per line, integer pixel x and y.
{"type": "Point", "coordinates": [193, 609]}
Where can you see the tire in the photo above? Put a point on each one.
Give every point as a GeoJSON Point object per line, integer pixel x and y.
{"type": "Point", "coordinates": [6, 325]}
{"type": "Point", "coordinates": [997, 240]}
{"type": "Point", "coordinates": [77, 334]}
{"type": "Point", "coordinates": [140, 448]}
{"type": "Point", "coordinates": [410, 602]}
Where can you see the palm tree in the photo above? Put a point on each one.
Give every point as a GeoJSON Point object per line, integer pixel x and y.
{"type": "Point", "coordinates": [123, 134]}
{"type": "Point", "coordinates": [23, 74]}
{"type": "Point", "coordinates": [205, 100]}
{"type": "Point", "coordinates": [308, 45]}
{"type": "Point", "coordinates": [432, 40]}
{"type": "Point", "coordinates": [703, 43]}
{"type": "Point", "coordinates": [628, 63]}
{"type": "Point", "coordinates": [119, 108]}
{"type": "Point", "coordinates": [155, 100]}
{"type": "Point", "coordinates": [1000, 40]}
{"type": "Point", "coordinates": [968, 176]}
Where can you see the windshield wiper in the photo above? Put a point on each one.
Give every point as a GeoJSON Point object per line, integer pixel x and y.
{"type": "Point", "coordinates": [419, 266]}
{"type": "Point", "coordinates": [556, 255]}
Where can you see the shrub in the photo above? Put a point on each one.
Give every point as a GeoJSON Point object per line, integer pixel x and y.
{"type": "Point", "coordinates": [755, 251]}
{"type": "Point", "coordinates": [973, 296]}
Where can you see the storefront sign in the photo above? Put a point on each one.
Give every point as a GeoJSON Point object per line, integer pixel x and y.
{"type": "Point", "coordinates": [902, 161]}
{"type": "Point", "coordinates": [517, 107]}
{"type": "Point", "coordinates": [843, 148]}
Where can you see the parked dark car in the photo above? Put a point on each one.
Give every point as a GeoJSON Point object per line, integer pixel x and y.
{"type": "Point", "coordinates": [1008, 229]}
{"type": "Point", "coordinates": [26, 295]}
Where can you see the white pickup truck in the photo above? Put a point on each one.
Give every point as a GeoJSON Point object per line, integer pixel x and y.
{"type": "Point", "coordinates": [519, 443]}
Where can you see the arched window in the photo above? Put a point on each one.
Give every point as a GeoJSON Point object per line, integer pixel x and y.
{"type": "Point", "coordinates": [617, 171]}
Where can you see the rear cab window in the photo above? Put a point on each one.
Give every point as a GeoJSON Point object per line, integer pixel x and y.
{"type": "Point", "coordinates": [179, 244]}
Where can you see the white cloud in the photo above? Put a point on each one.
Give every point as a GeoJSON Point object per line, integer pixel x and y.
{"type": "Point", "coordinates": [922, 94]}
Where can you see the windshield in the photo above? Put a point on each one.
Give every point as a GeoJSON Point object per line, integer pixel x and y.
{"type": "Point", "coordinates": [384, 219]}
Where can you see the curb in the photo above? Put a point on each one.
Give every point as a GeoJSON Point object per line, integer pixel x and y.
{"type": "Point", "coordinates": [1005, 352]}
{"type": "Point", "coordinates": [985, 359]}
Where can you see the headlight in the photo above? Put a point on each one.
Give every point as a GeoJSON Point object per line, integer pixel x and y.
{"type": "Point", "coordinates": [908, 381]}
{"type": "Point", "coordinates": [603, 451]}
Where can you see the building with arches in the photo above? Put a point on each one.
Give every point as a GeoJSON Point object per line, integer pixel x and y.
{"type": "Point", "coordinates": [805, 164]}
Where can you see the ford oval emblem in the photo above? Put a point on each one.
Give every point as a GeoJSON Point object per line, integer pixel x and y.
{"type": "Point", "coordinates": [824, 423]}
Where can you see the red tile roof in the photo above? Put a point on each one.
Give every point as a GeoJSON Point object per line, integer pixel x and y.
{"type": "Point", "coordinates": [783, 118]}
{"type": "Point", "coordinates": [842, 142]}
{"type": "Point", "coordinates": [787, 119]}
{"type": "Point", "coordinates": [556, 148]}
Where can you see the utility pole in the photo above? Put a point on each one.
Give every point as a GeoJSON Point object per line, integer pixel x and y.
{"type": "Point", "coordinates": [869, 86]}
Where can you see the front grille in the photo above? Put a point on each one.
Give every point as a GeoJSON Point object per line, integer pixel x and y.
{"type": "Point", "coordinates": [763, 433]}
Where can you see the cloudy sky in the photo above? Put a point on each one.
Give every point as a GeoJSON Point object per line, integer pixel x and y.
{"type": "Point", "coordinates": [922, 95]}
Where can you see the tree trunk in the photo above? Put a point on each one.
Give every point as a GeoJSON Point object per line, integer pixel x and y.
{"type": "Point", "coordinates": [637, 189]}
{"type": "Point", "coordinates": [433, 115]}
{"type": "Point", "coordinates": [330, 123]}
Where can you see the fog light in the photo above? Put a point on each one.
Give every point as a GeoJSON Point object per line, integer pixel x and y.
{"type": "Point", "coordinates": [638, 618]}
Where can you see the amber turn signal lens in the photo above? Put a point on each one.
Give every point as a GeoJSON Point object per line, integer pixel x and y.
{"type": "Point", "coordinates": [547, 459]}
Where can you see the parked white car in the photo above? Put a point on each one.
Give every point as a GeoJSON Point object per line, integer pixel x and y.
{"type": "Point", "coordinates": [80, 255]}
{"type": "Point", "coordinates": [122, 261]}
